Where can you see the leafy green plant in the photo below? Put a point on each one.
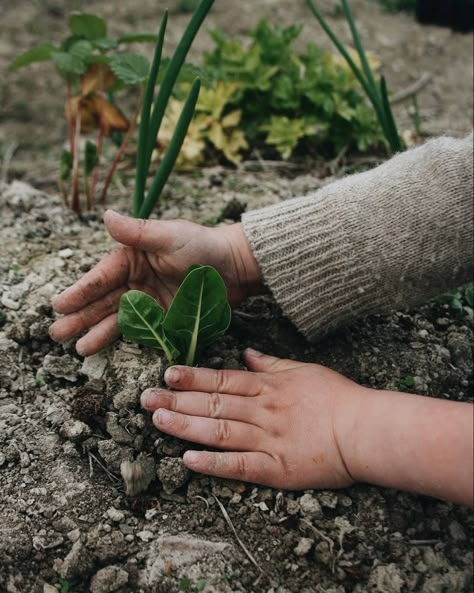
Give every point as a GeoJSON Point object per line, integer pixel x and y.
{"type": "Point", "coordinates": [197, 316]}
{"type": "Point", "coordinates": [460, 300]}
{"type": "Point", "coordinates": [263, 93]}
{"type": "Point", "coordinates": [94, 70]}
{"type": "Point", "coordinates": [376, 92]}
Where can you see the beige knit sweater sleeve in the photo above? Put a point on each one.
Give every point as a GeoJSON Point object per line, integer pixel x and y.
{"type": "Point", "coordinates": [391, 237]}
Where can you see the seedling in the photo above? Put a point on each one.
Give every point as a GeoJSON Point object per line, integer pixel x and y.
{"type": "Point", "coordinates": [198, 315]}
{"type": "Point", "coordinates": [376, 93]}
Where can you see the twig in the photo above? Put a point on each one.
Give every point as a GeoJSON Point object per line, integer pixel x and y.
{"type": "Point", "coordinates": [7, 159]}
{"type": "Point", "coordinates": [203, 500]}
{"type": "Point", "coordinates": [239, 541]}
{"type": "Point", "coordinates": [112, 477]}
{"type": "Point", "coordinates": [423, 542]}
{"type": "Point", "coordinates": [325, 538]}
{"type": "Point", "coordinates": [413, 89]}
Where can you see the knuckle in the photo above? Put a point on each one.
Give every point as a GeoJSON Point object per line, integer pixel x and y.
{"type": "Point", "coordinates": [214, 405]}
{"type": "Point", "coordinates": [241, 465]}
{"type": "Point", "coordinates": [223, 431]}
{"type": "Point", "coordinates": [222, 381]}
{"type": "Point", "coordinates": [185, 422]}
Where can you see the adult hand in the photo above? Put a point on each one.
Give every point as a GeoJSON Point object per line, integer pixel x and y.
{"type": "Point", "coordinates": [154, 258]}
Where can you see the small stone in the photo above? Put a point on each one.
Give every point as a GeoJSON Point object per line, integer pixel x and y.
{"type": "Point", "coordinates": [113, 454]}
{"type": "Point", "coordinates": [328, 499]}
{"type": "Point", "coordinates": [49, 589]}
{"type": "Point", "coordinates": [61, 367]}
{"type": "Point", "coordinates": [145, 535]}
{"type": "Point", "coordinates": [75, 430]}
{"type": "Point", "coordinates": [456, 531]}
{"type": "Point", "coordinates": [172, 473]}
{"type": "Point", "coordinates": [109, 579]}
{"type": "Point", "coordinates": [138, 475]}
{"type": "Point", "coordinates": [303, 546]}
{"type": "Point", "coordinates": [310, 506]}
{"type": "Point", "coordinates": [9, 303]}
{"type": "Point", "coordinates": [115, 515]}
{"type": "Point", "coordinates": [116, 431]}
{"type": "Point", "coordinates": [74, 535]}
{"type": "Point", "coordinates": [95, 366]}
{"type": "Point", "coordinates": [77, 563]}
{"type": "Point", "coordinates": [66, 253]}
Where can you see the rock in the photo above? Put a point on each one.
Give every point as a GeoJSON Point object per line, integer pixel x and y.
{"type": "Point", "coordinates": [172, 473]}
{"type": "Point", "coordinates": [386, 579]}
{"type": "Point", "coordinates": [95, 366]}
{"type": "Point", "coordinates": [22, 196]}
{"type": "Point", "coordinates": [303, 546]}
{"type": "Point", "coordinates": [114, 454]}
{"type": "Point", "coordinates": [461, 350]}
{"type": "Point", "coordinates": [181, 552]}
{"type": "Point", "coordinates": [145, 535]}
{"type": "Point", "coordinates": [127, 398]}
{"type": "Point", "coordinates": [77, 563]}
{"type": "Point", "coordinates": [115, 515]}
{"type": "Point", "coordinates": [328, 499]}
{"type": "Point", "coordinates": [61, 367]}
{"type": "Point", "coordinates": [75, 430]}
{"type": "Point", "coordinates": [109, 579]}
{"type": "Point", "coordinates": [456, 531]}
{"type": "Point", "coordinates": [49, 589]}
{"type": "Point", "coordinates": [310, 506]}
{"type": "Point", "coordinates": [116, 431]}
{"type": "Point", "coordinates": [137, 475]}
{"type": "Point", "coordinates": [66, 253]}
{"type": "Point", "coordinates": [9, 303]}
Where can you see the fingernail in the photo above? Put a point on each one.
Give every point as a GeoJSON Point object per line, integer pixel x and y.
{"type": "Point", "coordinates": [254, 353]}
{"type": "Point", "coordinates": [80, 349]}
{"type": "Point", "coordinates": [164, 417]}
{"type": "Point", "coordinates": [145, 397]}
{"type": "Point", "coordinates": [191, 457]}
{"type": "Point", "coordinates": [172, 375]}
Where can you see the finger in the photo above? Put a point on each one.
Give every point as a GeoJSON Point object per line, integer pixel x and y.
{"type": "Point", "coordinates": [254, 467]}
{"type": "Point", "coordinates": [207, 405]}
{"type": "Point", "coordinates": [222, 434]}
{"type": "Point", "coordinates": [263, 363]}
{"type": "Point", "coordinates": [107, 275]}
{"type": "Point", "coordinates": [211, 380]}
{"type": "Point", "coordinates": [75, 323]}
{"type": "Point", "coordinates": [100, 336]}
{"type": "Point", "coordinates": [148, 235]}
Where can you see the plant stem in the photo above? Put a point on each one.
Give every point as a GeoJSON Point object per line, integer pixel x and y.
{"type": "Point", "coordinates": [75, 204]}
{"type": "Point", "coordinates": [172, 151]}
{"type": "Point", "coordinates": [70, 128]}
{"type": "Point", "coordinates": [120, 152]}
{"type": "Point", "coordinates": [95, 172]}
{"type": "Point", "coordinates": [142, 167]}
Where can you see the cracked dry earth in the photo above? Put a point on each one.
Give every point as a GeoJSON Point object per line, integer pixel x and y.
{"type": "Point", "coordinates": [69, 522]}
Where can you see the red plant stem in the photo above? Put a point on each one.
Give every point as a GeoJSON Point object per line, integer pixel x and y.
{"type": "Point", "coordinates": [70, 128]}
{"type": "Point", "coordinates": [100, 140]}
{"type": "Point", "coordinates": [120, 151]}
{"type": "Point", "coordinates": [75, 204]}
{"type": "Point", "coordinates": [95, 172]}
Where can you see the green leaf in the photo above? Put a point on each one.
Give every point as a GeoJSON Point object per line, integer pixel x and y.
{"type": "Point", "coordinates": [285, 133]}
{"type": "Point", "coordinates": [130, 68]}
{"type": "Point", "coordinates": [81, 49]}
{"type": "Point", "coordinates": [140, 320]}
{"type": "Point", "coordinates": [68, 64]}
{"type": "Point", "coordinates": [138, 38]}
{"type": "Point", "coordinates": [105, 43]}
{"type": "Point", "coordinates": [87, 26]}
{"type": "Point", "coordinates": [469, 294]}
{"type": "Point", "coordinates": [38, 53]}
{"type": "Point", "coordinates": [199, 313]}
{"type": "Point", "coordinates": [91, 160]}
{"type": "Point", "coordinates": [65, 165]}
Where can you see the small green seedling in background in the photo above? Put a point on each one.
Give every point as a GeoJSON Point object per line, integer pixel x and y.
{"type": "Point", "coordinates": [376, 93]}
{"type": "Point", "coordinates": [460, 300]}
{"type": "Point", "coordinates": [94, 69]}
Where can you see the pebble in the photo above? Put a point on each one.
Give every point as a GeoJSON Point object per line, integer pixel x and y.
{"type": "Point", "coordinates": [115, 515]}
{"type": "Point", "coordinates": [304, 546]}
{"type": "Point", "coordinates": [145, 535]}
{"type": "Point", "coordinates": [9, 303]}
{"type": "Point", "coordinates": [66, 253]}
{"type": "Point", "coordinates": [109, 579]}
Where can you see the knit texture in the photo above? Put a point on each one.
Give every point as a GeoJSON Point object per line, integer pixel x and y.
{"type": "Point", "coordinates": [390, 237]}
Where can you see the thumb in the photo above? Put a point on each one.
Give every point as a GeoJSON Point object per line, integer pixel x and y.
{"type": "Point", "coordinates": [263, 363]}
{"type": "Point", "coordinates": [147, 235]}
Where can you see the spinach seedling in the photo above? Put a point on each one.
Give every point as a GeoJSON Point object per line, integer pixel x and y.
{"type": "Point", "coordinates": [197, 316]}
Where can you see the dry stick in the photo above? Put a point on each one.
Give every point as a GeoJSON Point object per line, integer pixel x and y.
{"type": "Point", "coordinates": [239, 541]}
{"type": "Point", "coordinates": [7, 159]}
{"type": "Point", "coordinates": [413, 89]}
{"type": "Point", "coordinates": [120, 151]}
{"type": "Point", "coordinates": [76, 206]}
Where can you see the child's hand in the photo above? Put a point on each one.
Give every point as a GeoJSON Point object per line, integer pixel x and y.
{"type": "Point", "coordinates": [155, 259]}
{"type": "Point", "coordinates": [279, 423]}
{"type": "Point", "coordinates": [293, 425]}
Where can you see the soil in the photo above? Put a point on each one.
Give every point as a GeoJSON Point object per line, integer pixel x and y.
{"type": "Point", "coordinates": [70, 521]}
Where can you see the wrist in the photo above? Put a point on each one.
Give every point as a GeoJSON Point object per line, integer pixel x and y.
{"type": "Point", "coordinates": [246, 267]}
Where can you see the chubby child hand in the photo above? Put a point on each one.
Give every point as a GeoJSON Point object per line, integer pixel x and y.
{"type": "Point", "coordinates": [278, 424]}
